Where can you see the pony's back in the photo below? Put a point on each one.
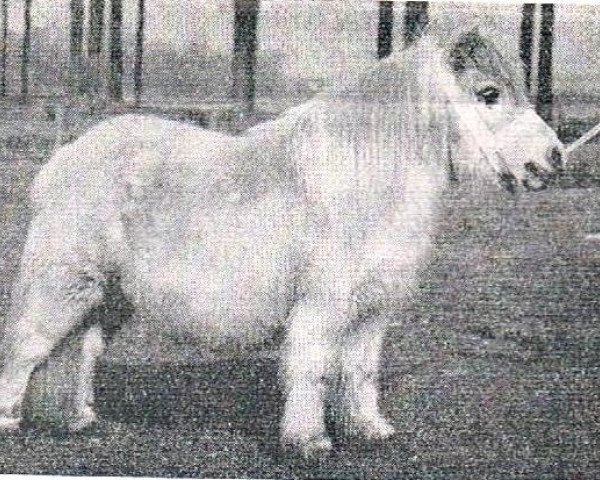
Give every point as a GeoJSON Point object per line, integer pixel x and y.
{"type": "Point", "coordinates": [121, 151]}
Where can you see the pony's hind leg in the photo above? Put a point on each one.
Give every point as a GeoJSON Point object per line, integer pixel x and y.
{"type": "Point", "coordinates": [92, 347]}
{"type": "Point", "coordinates": [360, 360]}
{"type": "Point", "coordinates": [69, 372]}
{"type": "Point", "coordinates": [49, 303]}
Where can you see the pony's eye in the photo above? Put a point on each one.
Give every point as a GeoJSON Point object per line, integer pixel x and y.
{"type": "Point", "coordinates": [488, 94]}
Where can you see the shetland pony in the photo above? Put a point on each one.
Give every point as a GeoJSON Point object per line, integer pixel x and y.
{"type": "Point", "coordinates": [317, 223]}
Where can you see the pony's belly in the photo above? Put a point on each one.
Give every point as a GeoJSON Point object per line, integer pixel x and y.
{"type": "Point", "coordinates": [213, 326]}
{"type": "Point", "coordinates": [237, 285]}
{"type": "Point", "coordinates": [212, 308]}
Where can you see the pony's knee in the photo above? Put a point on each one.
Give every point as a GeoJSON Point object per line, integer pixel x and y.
{"type": "Point", "coordinates": [46, 309]}
{"type": "Point", "coordinates": [80, 285]}
{"type": "Point", "coordinates": [308, 362]}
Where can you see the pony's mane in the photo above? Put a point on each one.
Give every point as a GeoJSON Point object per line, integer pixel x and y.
{"type": "Point", "coordinates": [358, 136]}
{"type": "Point", "coordinates": [354, 141]}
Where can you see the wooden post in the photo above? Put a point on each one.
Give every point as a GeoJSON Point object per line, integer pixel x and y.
{"type": "Point", "coordinates": [416, 19]}
{"type": "Point", "coordinates": [96, 27]}
{"type": "Point", "coordinates": [25, 53]}
{"type": "Point", "coordinates": [95, 37]}
{"type": "Point", "coordinates": [545, 96]}
{"type": "Point", "coordinates": [3, 50]}
{"type": "Point", "coordinates": [115, 88]}
{"type": "Point", "coordinates": [244, 51]}
{"type": "Point", "coordinates": [526, 41]}
{"type": "Point", "coordinates": [76, 46]}
{"type": "Point", "coordinates": [384, 30]}
{"type": "Point", "coordinates": [139, 55]}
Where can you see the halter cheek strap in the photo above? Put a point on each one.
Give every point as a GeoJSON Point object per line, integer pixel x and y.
{"type": "Point", "coordinates": [468, 118]}
{"type": "Point", "coordinates": [480, 135]}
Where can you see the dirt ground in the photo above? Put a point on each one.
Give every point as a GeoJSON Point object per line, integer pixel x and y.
{"type": "Point", "coordinates": [494, 372]}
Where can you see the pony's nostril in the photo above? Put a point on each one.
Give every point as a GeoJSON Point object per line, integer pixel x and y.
{"type": "Point", "coordinates": [532, 168]}
{"type": "Point", "coordinates": [508, 181]}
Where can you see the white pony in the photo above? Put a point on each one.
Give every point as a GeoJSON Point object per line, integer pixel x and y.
{"type": "Point", "coordinates": [317, 223]}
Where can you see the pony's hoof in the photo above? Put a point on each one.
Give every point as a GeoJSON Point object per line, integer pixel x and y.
{"type": "Point", "coordinates": [379, 429]}
{"type": "Point", "coordinates": [374, 429]}
{"type": "Point", "coordinates": [86, 419]}
{"type": "Point", "coordinates": [311, 449]}
{"type": "Point", "coordinates": [9, 424]}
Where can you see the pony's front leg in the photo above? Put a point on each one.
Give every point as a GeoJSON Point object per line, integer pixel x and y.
{"type": "Point", "coordinates": [308, 357]}
{"type": "Point", "coordinates": [360, 360]}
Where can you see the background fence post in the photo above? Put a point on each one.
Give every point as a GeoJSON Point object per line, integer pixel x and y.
{"type": "Point", "coordinates": [416, 18]}
{"type": "Point", "coordinates": [95, 43]}
{"type": "Point", "coordinates": [3, 49]}
{"type": "Point", "coordinates": [26, 50]}
{"type": "Point", "coordinates": [244, 51]}
{"type": "Point", "coordinates": [139, 55]}
{"type": "Point", "coordinates": [526, 41]}
{"type": "Point", "coordinates": [115, 87]}
{"type": "Point", "coordinates": [76, 47]}
{"type": "Point", "coordinates": [545, 96]}
{"type": "Point", "coordinates": [385, 29]}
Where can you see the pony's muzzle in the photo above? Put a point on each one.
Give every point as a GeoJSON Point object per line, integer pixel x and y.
{"type": "Point", "coordinates": [538, 178]}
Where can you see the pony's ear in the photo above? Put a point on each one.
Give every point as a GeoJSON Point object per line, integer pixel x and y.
{"type": "Point", "coordinates": [423, 32]}
{"type": "Point", "coordinates": [470, 49]}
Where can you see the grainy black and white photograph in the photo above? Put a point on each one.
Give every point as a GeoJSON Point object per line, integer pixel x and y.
{"type": "Point", "coordinates": [293, 239]}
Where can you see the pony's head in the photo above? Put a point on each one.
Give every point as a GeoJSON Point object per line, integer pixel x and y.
{"type": "Point", "coordinates": [495, 117]}
{"type": "Point", "coordinates": [460, 102]}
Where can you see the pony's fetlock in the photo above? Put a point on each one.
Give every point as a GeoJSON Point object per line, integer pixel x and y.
{"type": "Point", "coordinates": [85, 419]}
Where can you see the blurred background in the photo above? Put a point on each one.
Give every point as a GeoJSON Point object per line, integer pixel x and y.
{"type": "Point", "coordinates": [207, 59]}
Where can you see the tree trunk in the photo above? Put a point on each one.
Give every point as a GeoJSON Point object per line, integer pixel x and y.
{"type": "Point", "coordinates": [95, 37]}
{"type": "Point", "coordinates": [244, 51]}
{"type": "Point", "coordinates": [115, 88]}
{"type": "Point", "coordinates": [416, 19]}
{"type": "Point", "coordinates": [384, 30]}
{"type": "Point", "coordinates": [3, 51]}
{"type": "Point", "coordinates": [545, 96]}
{"type": "Point", "coordinates": [76, 46]}
{"type": "Point", "coordinates": [139, 55]}
{"type": "Point", "coordinates": [526, 41]}
{"type": "Point", "coordinates": [25, 53]}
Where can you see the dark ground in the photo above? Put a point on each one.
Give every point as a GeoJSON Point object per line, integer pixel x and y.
{"type": "Point", "coordinates": [495, 374]}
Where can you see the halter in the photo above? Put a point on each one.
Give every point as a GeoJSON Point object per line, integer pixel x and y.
{"type": "Point", "coordinates": [483, 138]}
